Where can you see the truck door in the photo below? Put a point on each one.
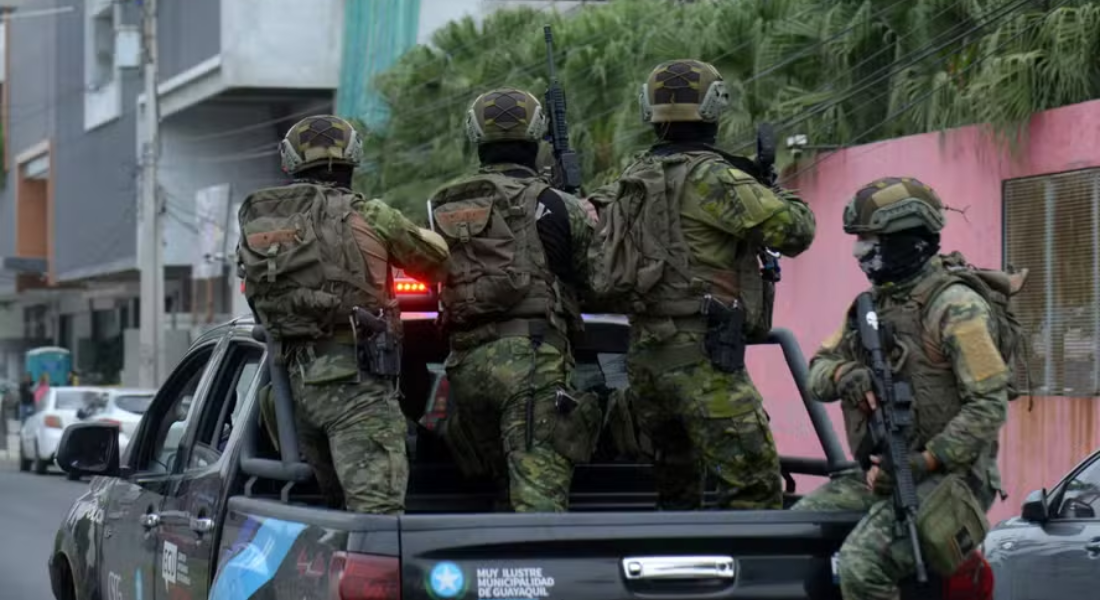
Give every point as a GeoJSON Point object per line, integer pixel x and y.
{"type": "Point", "coordinates": [190, 517]}
{"type": "Point", "coordinates": [132, 517]}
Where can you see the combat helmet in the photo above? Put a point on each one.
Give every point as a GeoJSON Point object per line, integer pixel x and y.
{"type": "Point", "coordinates": [893, 204]}
{"type": "Point", "coordinates": [683, 90]}
{"type": "Point", "coordinates": [320, 140]}
{"type": "Point", "coordinates": [505, 114]}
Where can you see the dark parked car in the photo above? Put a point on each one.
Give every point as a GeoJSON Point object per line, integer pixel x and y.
{"type": "Point", "coordinates": [1052, 550]}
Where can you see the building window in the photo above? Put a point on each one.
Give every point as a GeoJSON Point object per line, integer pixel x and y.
{"type": "Point", "coordinates": [1052, 228]}
{"type": "Point", "coordinates": [103, 89]}
{"type": "Point", "coordinates": [103, 49]}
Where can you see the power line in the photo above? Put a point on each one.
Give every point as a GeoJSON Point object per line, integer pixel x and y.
{"type": "Point", "coordinates": [929, 93]}
{"type": "Point", "coordinates": [786, 61]}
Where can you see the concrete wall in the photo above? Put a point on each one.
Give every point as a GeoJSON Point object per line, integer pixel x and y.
{"type": "Point", "coordinates": [282, 43]}
{"type": "Point", "coordinates": [967, 171]}
{"type": "Point", "coordinates": [95, 171]}
{"type": "Point", "coordinates": [188, 33]}
{"type": "Point", "coordinates": [31, 84]}
{"type": "Point", "coordinates": [210, 145]}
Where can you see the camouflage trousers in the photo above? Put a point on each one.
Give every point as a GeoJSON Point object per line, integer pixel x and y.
{"type": "Point", "coordinates": [704, 422]}
{"type": "Point", "coordinates": [491, 384]}
{"type": "Point", "coordinates": [875, 557]}
{"type": "Point", "coordinates": [352, 432]}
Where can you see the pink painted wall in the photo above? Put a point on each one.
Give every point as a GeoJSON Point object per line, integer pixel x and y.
{"type": "Point", "coordinates": [966, 169]}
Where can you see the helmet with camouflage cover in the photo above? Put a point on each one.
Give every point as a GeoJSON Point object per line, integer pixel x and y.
{"type": "Point", "coordinates": [893, 204]}
{"type": "Point", "coordinates": [505, 114]}
{"type": "Point", "coordinates": [320, 140]}
{"type": "Point", "coordinates": [684, 90]}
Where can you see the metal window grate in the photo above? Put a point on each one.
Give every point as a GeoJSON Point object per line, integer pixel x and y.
{"type": "Point", "coordinates": [1052, 228]}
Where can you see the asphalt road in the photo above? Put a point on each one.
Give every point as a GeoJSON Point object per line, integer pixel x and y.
{"type": "Point", "coordinates": [31, 508]}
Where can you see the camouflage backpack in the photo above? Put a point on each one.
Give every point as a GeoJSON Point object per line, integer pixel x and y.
{"type": "Point", "coordinates": [640, 260]}
{"type": "Point", "coordinates": [638, 237]}
{"type": "Point", "coordinates": [997, 288]}
{"type": "Point", "coordinates": [302, 268]}
{"type": "Point", "coordinates": [497, 266]}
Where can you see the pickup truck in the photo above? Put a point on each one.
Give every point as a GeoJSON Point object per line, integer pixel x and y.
{"type": "Point", "coordinates": [204, 504]}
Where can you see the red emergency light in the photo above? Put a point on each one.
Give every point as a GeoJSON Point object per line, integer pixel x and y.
{"type": "Point", "coordinates": [409, 286]}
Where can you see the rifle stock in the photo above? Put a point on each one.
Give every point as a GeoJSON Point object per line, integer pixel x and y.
{"type": "Point", "coordinates": [567, 167]}
{"type": "Point", "coordinates": [890, 424]}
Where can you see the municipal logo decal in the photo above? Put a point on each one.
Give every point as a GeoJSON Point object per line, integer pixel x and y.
{"type": "Point", "coordinates": [446, 581]}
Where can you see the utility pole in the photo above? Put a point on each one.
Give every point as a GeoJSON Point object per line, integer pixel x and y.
{"type": "Point", "coordinates": [151, 367]}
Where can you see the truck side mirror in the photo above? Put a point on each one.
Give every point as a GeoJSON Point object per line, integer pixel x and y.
{"type": "Point", "coordinates": [1035, 507]}
{"type": "Point", "coordinates": [89, 449]}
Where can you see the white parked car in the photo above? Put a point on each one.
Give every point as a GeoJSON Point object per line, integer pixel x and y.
{"type": "Point", "coordinates": [123, 407]}
{"type": "Point", "coordinates": [42, 431]}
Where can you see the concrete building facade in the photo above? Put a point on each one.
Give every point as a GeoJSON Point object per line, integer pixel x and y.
{"type": "Point", "coordinates": [230, 85]}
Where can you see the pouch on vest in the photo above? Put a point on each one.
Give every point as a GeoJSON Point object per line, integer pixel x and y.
{"type": "Point", "coordinates": [577, 426]}
{"type": "Point", "coordinates": [496, 258]}
{"type": "Point", "coordinates": [303, 271]}
{"type": "Point", "coordinates": [951, 524]}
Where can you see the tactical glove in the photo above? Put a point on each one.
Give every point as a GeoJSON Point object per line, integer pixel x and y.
{"type": "Point", "coordinates": [884, 481]}
{"type": "Point", "coordinates": [853, 385]}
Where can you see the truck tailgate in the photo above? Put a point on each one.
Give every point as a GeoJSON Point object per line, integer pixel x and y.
{"type": "Point", "coordinates": [612, 556]}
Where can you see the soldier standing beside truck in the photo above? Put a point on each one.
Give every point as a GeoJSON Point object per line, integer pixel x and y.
{"type": "Point", "coordinates": [948, 342]}
{"type": "Point", "coordinates": [677, 249]}
{"type": "Point", "coordinates": [316, 261]}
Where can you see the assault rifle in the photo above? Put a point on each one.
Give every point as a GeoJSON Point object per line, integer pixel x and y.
{"type": "Point", "coordinates": [567, 168]}
{"type": "Point", "coordinates": [765, 167]}
{"type": "Point", "coordinates": [890, 424]}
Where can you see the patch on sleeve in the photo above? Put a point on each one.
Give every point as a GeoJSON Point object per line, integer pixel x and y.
{"type": "Point", "coordinates": [978, 352]}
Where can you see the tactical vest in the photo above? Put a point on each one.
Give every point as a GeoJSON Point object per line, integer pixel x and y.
{"type": "Point", "coordinates": [641, 260]}
{"type": "Point", "coordinates": [928, 371]}
{"type": "Point", "coordinates": [302, 268]}
{"type": "Point", "coordinates": [497, 268]}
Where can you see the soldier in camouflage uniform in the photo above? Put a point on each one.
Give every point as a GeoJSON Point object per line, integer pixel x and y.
{"type": "Point", "coordinates": [705, 419]}
{"type": "Point", "coordinates": [510, 305]}
{"type": "Point", "coordinates": [958, 374]}
{"type": "Point", "coordinates": [350, 425]}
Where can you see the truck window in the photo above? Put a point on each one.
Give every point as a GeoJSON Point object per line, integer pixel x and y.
{"type": "Point", "coordinates": [170, 413]}
{"type": "Point", "coordinates": [216, 421]}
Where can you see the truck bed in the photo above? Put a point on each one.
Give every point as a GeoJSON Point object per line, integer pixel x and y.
{"type": "Point", "coordinates": [612, 545]}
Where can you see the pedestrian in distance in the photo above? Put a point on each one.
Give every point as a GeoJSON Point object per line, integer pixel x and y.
{"type": "Point", "coordinates": [26, 397]}
{"type": "Point", "coordinates": [510, 305]}
{"type": "Point", "coordinates": [677, 249]}
{"type": "Point", "coordinates": [316, 260]}
{"type": "Point", "coordinates": [949, 339]}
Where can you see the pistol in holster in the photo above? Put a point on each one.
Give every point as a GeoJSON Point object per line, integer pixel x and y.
{"type": "Point", "coordinates": [377, 346]}
{"type": "Point", "coordinates": [724, 342]}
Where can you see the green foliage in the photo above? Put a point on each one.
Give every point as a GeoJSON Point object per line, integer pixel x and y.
{"type": "Point", "coordinates": [840, 71]}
